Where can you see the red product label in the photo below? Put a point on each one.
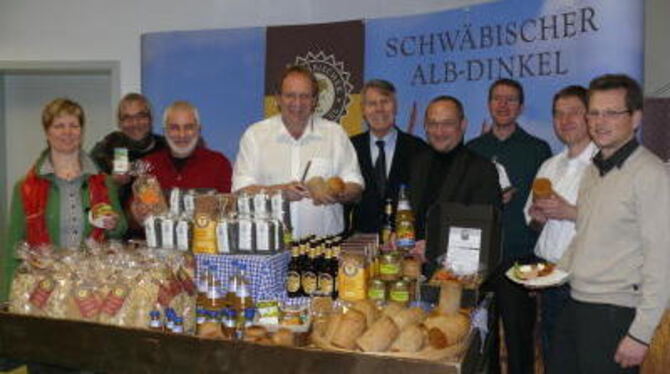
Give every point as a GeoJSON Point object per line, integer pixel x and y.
{"type": "Point", "coordinates": [88, 304]}
{"type": "Point", "coordinates": [175, 286]}
{"type": "Point", "coordinates": [164, 295]}
{"type": "Point", "coordinates": [114, 301]}
{"type": "Point", "coordinates": [186, 282]}
{"type": "Point", "coordinates": [40, 294]}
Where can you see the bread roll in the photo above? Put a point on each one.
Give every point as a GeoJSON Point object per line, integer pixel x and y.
{"type": "Point", "coordinates": [450, 297]}
{"type": "Point", "coordinates": [350, 328]}
{"type": "Point", "coordinates": [210, 330]}
{"type": "Point", "coordinates": [333, 325]}
{"type": "Point", "coordinates": [392, 309]}
{"type": "Point", "coordinates": [369, 310]}
{"type": "Point", "coordinates": [407, 317]}
{"type": "Point", "coordinates": [542, 188]}
{"type": "Point", "coordinates": [379, 336]}
{"type": "Point", "coordinates": [411, 339]}
{"type": "Point", "coordinates": [284, 337]}
{"type": "Point", "coordinates": [446, 330]}
{"type": "Point", "coordinates": [335, 185]}
{"type": "Point", "coordinates": [255, 332]}
{"type": "Point", "coordinates": [317, 186]}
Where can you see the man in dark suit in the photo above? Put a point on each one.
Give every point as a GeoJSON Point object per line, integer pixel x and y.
{"type": "Point", "coordinates": [448, 171]}
{"type": "Point", "coordinates": [384, 154]}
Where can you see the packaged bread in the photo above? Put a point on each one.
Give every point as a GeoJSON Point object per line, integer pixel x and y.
{"type": "Point", "coordinates": [351, 326]}
{"type": "Point", "coordinates": [411, 339]}
{"type": "Point", "coordinates": [407, 317]}
{"type": "Point", "coordinates": [352, 277]}
{"type": "Point", "coordinates": [446, 330]}
{"type": "Point", "coordinates": [205, 221]}
{"type": "Point", "coordinates": [379, 336]}
{"type": "Point", "coordinates": [147, 191]}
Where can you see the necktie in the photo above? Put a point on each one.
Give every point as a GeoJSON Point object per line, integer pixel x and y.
{"type": "Point", "coordinates": [380, 168]}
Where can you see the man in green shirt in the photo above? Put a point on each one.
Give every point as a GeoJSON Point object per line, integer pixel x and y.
{"type": "Point", "coordinates": [520, 155]}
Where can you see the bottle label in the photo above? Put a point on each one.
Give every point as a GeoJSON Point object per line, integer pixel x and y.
{"type": "Point", "coordinates": [389, 269]}
{"type": "Point", "coordinates": [400, 296]}
{"type": "Point", "coordinates": [293, 281]}
{"type": "Point", "coordinates": [155, 324]}
{"type": "Point", "coordinates": [326, 284]}
{"type": "Point", "coordinates": [376, 294]}
{"type": "Point", "coordinates": [309, 282]}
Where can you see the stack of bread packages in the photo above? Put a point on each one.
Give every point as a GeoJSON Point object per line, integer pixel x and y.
{"type": "Point", "coordinates": [397, 330]}
{"type": "Point", "coordinates": [106, 283]}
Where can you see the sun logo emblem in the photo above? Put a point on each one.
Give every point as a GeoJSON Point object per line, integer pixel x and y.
{"type": "Point", "coordinates": [334, 84]}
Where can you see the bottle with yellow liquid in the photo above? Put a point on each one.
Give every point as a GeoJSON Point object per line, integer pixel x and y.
{"type": "Point", "coordinates": [404, 222]}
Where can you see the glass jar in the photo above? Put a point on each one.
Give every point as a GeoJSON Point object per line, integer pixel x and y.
{"type": "Point", "coordinates": [390, 266]}
{"type": "Point", "coordinates": [399, 293]}
{"type": "Point", "coordinates": [377, 291]}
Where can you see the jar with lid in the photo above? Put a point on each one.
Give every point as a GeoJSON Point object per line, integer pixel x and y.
{"type": "Point", "coordinates": [377, 291]}
{"type": "Point", "coordinates": [399, 292]}
{"type": "Point", "coordinates": [390, 266]}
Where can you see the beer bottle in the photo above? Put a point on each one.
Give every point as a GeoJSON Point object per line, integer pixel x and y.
{"type": "Point", "coordinates": [293, 287]}
{"type": "Point", "coordinates": [309, 275]}
{"type": "Point", "coordinates": [387, 223]}
{"type": "Point", "coordinates": [404, 221]}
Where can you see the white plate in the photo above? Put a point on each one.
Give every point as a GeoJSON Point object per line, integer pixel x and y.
{"type": "Point", "coordinates": [555, 278]}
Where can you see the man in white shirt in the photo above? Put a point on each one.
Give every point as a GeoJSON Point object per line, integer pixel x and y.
{"type": "Point", "coordinates": [556, 215]}
{"type": "Point", "coordinates": [284, 151]}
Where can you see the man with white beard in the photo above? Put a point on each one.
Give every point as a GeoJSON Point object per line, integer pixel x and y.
{"type": "Point", "coordinates": [186, 163]}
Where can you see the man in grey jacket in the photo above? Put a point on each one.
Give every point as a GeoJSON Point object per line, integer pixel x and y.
{"type": "Point", "coordinates": [619, 258]}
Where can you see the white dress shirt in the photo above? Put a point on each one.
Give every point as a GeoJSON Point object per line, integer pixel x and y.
{"type": "Point", "coordinates": [390, 140]}
{"type": "Point", "coordinates": [565, 174]}
{"type": "Point", "coordinates": [269, 155]}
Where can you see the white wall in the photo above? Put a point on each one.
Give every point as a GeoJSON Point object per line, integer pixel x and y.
{"type": "Point", "coordinates": [110, 30]}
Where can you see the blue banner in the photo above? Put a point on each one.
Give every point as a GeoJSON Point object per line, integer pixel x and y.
{"type": "Point", "coordinates": [221, 72]}
{"type": "Point", "coordinates": [545, 45]}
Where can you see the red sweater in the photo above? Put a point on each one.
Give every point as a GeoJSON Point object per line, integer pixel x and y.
{"type": "Point", "coordinates": [203, 169]}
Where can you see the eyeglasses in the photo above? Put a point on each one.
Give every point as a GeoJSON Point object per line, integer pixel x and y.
{"type": "Point", "coordinates": [136, 116]}
{"type": "Point", "coordinates": [606, 114]}
{"type": "Point", "coordinates": [189, 127]}
{"type": "Point", "coordinates": [448, 124]}
{"type": "Point", "coordinates": [505, 99]}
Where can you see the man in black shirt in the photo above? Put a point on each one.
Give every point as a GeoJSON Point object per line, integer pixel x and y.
{"type": "Point", "coordinates": [448, 172]}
